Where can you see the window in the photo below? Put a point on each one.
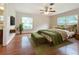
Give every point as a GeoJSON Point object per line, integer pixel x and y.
{"type": "Point", "coordinates": [71, 20]}
{"type": "Point", "coordinates": [61, 21]}
{"type": "Point", "coordinates": [27, 22]}
{"type": "Point", "coordinates": [68, 20]}
{"type": "Point", "coordinates": [1, 18]}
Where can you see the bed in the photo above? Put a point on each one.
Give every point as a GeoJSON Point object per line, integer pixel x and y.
{"type": "Point", "coordinates": [65, 33]}
{"type": "Point", "coordinates": [57, 36]}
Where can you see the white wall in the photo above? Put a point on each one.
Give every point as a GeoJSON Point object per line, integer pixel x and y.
{"type": "Point", "coordinates": [9, 11]}
{"type": "Point", "coordinates": [53, 20]}
{"type": "Point", "coordinates": [39, 21]}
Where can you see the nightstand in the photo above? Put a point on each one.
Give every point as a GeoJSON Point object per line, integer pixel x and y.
{"type": "Point", "coordinates": [77, 36]}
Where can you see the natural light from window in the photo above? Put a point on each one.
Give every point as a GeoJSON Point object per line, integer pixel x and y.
{"type": "Point", "coordinates": [67, 20]}
{"type": "Point", "coordinates": [27, 22]}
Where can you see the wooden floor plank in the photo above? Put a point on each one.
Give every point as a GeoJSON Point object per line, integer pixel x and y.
{"type": "Point", "coordinates": [21, 45]}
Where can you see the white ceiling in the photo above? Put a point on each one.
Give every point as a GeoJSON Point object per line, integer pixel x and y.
{"type": "Point", "coordinates": [34, 8]}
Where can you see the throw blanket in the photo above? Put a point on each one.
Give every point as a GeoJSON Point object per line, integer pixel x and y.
{"type": "Point", "coordinates": [52, 36]}
{"type": "Point", "coordinates": [62, 32]}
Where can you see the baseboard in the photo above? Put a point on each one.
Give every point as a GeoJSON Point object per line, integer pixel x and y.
{"type": "Point", "coordinates": [10, 38]}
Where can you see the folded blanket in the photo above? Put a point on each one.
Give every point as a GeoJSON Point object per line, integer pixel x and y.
{"type": "Point", "coordinates": [51, 35]}
{"type": "Point", "coordinates": [63, 33]}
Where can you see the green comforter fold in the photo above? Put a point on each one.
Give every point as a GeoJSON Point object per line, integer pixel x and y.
{"type": "Point", "coordinates": [55, 36]}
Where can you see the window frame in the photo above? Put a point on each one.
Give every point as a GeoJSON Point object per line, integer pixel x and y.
{"type": "Point", "coordinates": [31, 22]}
{"type": "Point", "coordinates": [66, 20]}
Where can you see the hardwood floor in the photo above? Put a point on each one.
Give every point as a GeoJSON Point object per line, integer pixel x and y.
{"type": "Point", "coordinates": [21, 45]}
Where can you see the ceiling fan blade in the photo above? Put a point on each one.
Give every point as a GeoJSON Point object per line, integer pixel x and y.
{"type": "Point", "coordinates": [41, 10]}
{"type": "Point", "coordinates": [51, 3]}
{"type": "Point", "coordinates": [52, 11]}
{"type": "Point", "coordinates": [50, 8]}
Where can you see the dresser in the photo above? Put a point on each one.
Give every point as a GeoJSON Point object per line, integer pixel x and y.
{"type": "Point", "coordinates": [1, 36]}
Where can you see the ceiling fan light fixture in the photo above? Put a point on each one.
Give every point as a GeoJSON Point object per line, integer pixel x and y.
{"type": "Point", "coordinates": [1, 8]}
{"type": "Point", "coordinates": [46, 13]}
{"type": "Point", "coordinates": [48, 9]}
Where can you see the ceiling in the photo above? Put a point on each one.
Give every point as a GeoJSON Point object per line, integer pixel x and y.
{"type": "Point", "coordinates": [34, 8]}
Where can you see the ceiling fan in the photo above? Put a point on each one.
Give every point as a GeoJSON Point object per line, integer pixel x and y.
{"type": "Point", "coordinates": [48, 9]}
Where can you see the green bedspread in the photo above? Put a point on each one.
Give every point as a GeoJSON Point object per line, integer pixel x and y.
{"type": "Point", "coordinates": [55, 36]}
